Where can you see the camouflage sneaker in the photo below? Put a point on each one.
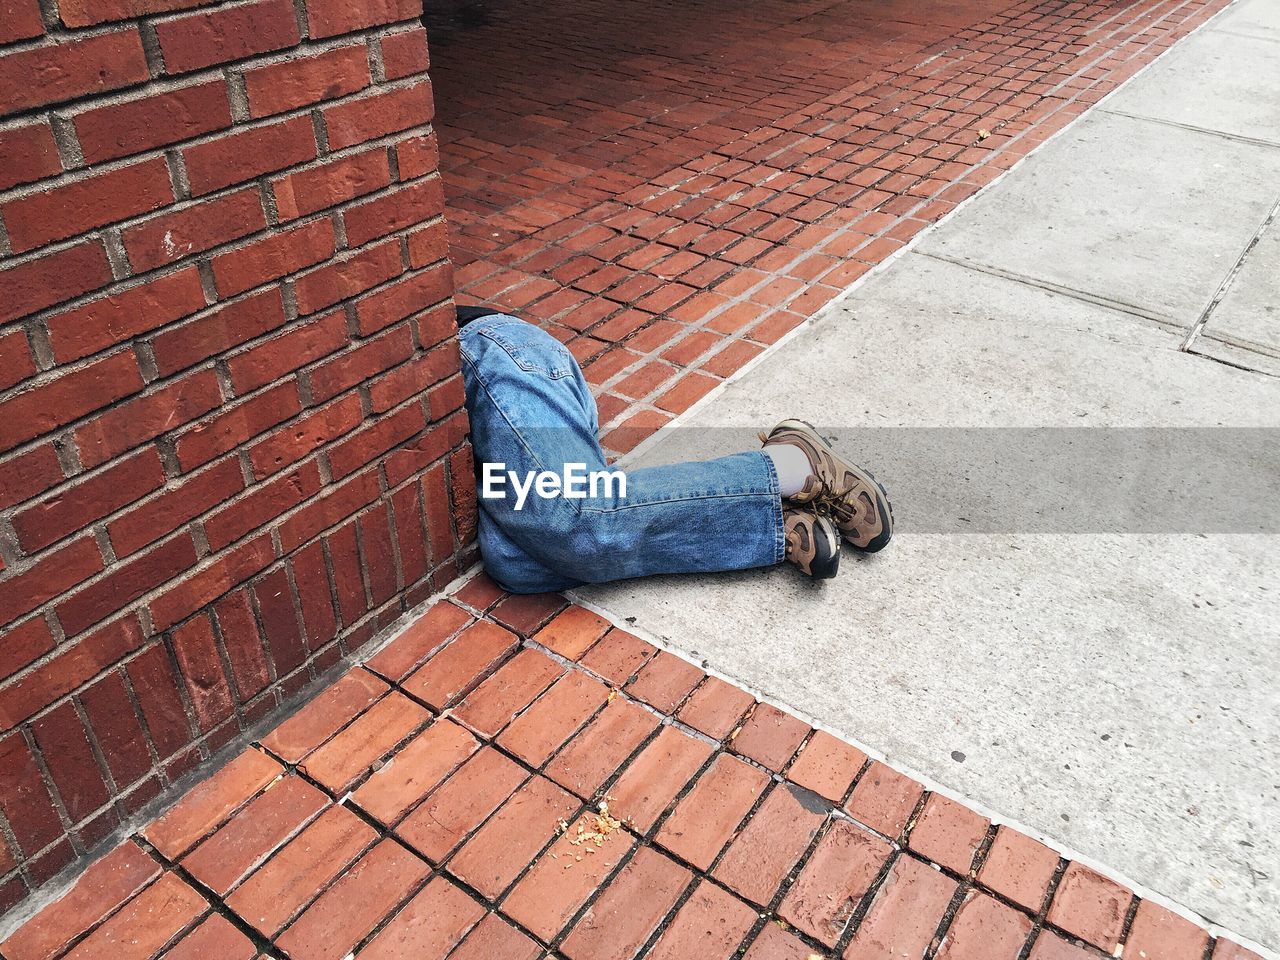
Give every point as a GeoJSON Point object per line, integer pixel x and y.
{"type": "Point", "coordinates": [838, 489]}
{"type": "Point", "coordinates": [813, 544]}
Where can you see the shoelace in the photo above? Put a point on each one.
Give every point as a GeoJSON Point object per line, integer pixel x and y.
{"type": "Point", "coordinates": [835, 502]}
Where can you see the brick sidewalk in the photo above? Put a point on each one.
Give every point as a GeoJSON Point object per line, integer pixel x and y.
{"type": "Point", "coordinates": [444, 799]}
{"type": "Point", "coordinates": [669, 198]}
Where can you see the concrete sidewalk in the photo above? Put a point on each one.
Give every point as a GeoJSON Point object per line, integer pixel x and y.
{"type": "Point", "coordinates": [1116, 693]}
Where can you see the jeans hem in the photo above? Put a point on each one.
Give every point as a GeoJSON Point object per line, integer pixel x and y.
{"type": "Point", "coordinates": [779, 528]}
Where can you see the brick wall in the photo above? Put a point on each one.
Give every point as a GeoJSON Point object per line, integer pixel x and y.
{"type": "Point", "coordinates": [231, 425]}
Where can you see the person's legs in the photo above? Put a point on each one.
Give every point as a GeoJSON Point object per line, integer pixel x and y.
{"type": "Point", "coordinates": [531, 411]}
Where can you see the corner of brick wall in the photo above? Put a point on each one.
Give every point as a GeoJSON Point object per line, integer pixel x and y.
{"type": "Point", "coordinates": [231, 423]}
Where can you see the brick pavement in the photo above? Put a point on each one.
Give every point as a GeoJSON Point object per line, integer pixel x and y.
{"type": "Point", "coordinates": [443, 800]}
{"type": "Point", "coordinates": [670, 194]}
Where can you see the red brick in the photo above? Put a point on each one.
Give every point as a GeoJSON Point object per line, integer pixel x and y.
{"type": "Point", "coordinates": [710, 813]}
{"type": "Point", "coordinates": [771, 844]}
{"type": "Point", "coordinates": [217, 331]}
{"type": "Point", "coordinates": [463, 662]}
{"type": "Point", "coordinates": [420, 767]}
{"type": "Point", "coordinates": [827, 766]}
{"type": "Point", "coordinates": [155, 120]}
{"type": "Point", "coordinates": [278, 891]}
{"type": "Point", "coordinates": [294, 83]}
{"type": "Point", "coordinates": [656, 776]}
{"type": "Point", "coordinates": [715, 708]}
{"type": "Point", "coordinates": [348, 275]}
{"type": "Point", "coordinates": [453, 810]}
{"type": "Point", "coordinates": [328, 18]}
{"type": "Point", "coordinates": [1090, 906]}
{"type": "Point", "coordinates": [429, 926]}
{"type": "Point", "coordinates": [23, 645]}
{"type": "Point", "coordinates": [16, 362]}
{"type": "Point", "coordinates": [60, 212]}
{"type": "Point", "coordinates": [338, 502]}
{"type": "Point", "coordinates": [50, 280]}
{"type": "Point", "coordinates": [405, 53]}
{"type": "Point", "coordinates": [206, 38]}
{"type": "Point", "coordinates": [85, 13]}
{"type": "Point", "coordinates": [884, 799]}
{"type": "Point", "coordinates": [126, 425]}
{"type": "Point", "coordinates": [834, 882]}
{"type": "Point", "coordinates": [394, 210]}
{"type": "Point", "coordinates": [215, 937]}
{"type": "Point", "coordinates": [279, 617]}
{"type": "Point", "coordinates": [629, 910]}
{"type": "Point", "coordinates": [598, 751]}
{"type": "Point", "coordinates": [64, 745]}
{"type": "Point", "coordinates": [665, 681]}
{"type": "Point", "coordinates": [211, 802]}
{"type": "Point", "coordinates": [21, 21]}
{"type": "Point", "coordinates": [493, 704]}
{"type": "Point", "coordinates": [773, 944]}
{"type": "Point", "coordinates": [709, 925]}
{"type": "Point", "coordinates": [405, 298]}
{"type": "Point", "coordinates": [986, 929]}
{"type": "Point", "coordinates": [1159, 934]}
{"type": "Point", "coordinates": [156, 689]}
{"type": "Point", "coordinates": [553, 718]}
{"type": "Point", "coordinates": [500, 850]}
{"type": "Point", "coordinates": [296, 347]}
{"type": "Point", "coordinates": [249, 670]}
{"type": "Point", "coordinates": [68, 397]}
{"type": "Point", "coordinates": [24, 800]}
{"type": "Point", "coordinates": [73, 68]}
{"type": "Point", "coordinates": [350, 754]}
{"type": "Point", "coordinates": [559, 883]}
{"type": "Point", "coordinates": [495, 939]}
{"type": "Point", "coordinates": [159, 516]}
{"type": "Point", "coordinates": [30, 474]}
{"type": "Point", "coordinates": [318, 188]}
{"type": "Point", "coordinates": [525, 613]}
{"type": "Point", "coordinates": [1051, 947]}
{"type": "Point", "coordinates": [29, 151]}
{"type": "Point", "coordinates": [770, 736]}
{"type": "Point", "coordinates": [1224, 949]}
{"type": "Point", "coordinates": [294, 441]}
{"type": "Point", "coordinates": [210, 581]}
{"type": "Point", "coordinates": [418, 156]}
{"type": "Point", "coordinates": [573, 632]}
{"type": "Point", "coordinates": [948, 833]}
{"type": "Point", "coordinates": [378, 114]}
{"type": "Point", "coordinates": [23, 592]}
{"type": "Point", "coordinates": [905, 914]}
{"type": "Point", "coordinates": [91, 498]}
{"type": "Point", "coordinates": [421, 638]}
{"type": "Point", "coordinates": [350, 909]}
{"type": "Point", "coordinates": [250, 836]}
{"type": "Point", "coordinates": [249, 153]}
{"type": "Point", "coordinates": [146, 923]}
{"type": "Point", "coordinates": [351, 367]}
{"type": "Point", "coordinates": [429, 244]}
{"type": "Point", "coordinates": [1019, 868]}
{"type": "Point", "coordinates": [264, 502]}
{"type": "Point", "coordinates": [194, 228]}
{"type": "Point", "coordinates": [117, 728]}
{"type": "Point", "coordinates": [409, 379]}
{"type": "Point", "coordinates": [617, 656]}
{"type": "Point", "coordinates": [236, 423]}
{"type": "Point", "coordinates": [110, 320]}
{"type": "Point", "coordinates": [209, 691]}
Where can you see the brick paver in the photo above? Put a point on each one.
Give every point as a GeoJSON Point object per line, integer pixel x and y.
{"type": "Point", "coordinates": [669, 209]}
{"type": "Point", "coordinates": [590, 827]}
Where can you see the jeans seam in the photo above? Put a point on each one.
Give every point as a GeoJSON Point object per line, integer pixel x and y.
{"type": "Point", "coordinates": [779, 529]}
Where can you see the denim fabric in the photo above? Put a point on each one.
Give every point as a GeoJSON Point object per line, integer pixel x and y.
{"type": "Point", "coordinates": [531, 410]}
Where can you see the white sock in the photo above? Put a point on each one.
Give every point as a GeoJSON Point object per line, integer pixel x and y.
{"type": "Point", "coordinates": [792, 466]}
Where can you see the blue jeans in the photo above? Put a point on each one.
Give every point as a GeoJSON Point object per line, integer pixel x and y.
{"type": "Point", "coordinates": [531, 410]}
